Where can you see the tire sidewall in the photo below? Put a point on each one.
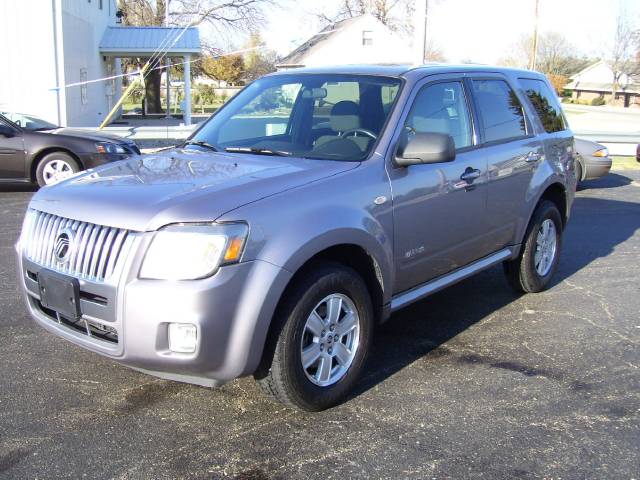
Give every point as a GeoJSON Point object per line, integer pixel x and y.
{"type": "Point", "coordinates": [50, 158]}
{"type": "Point", "coordinates": [306, 393]}
{"type": "Point", "coordinates": [546, 211]}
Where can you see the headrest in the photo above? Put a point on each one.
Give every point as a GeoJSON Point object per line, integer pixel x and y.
{"type": "Point", "coordinates": [345, 116]}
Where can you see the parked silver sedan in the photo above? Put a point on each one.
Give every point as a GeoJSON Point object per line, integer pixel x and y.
{"type": "Point", "coordinates": [593, 160]}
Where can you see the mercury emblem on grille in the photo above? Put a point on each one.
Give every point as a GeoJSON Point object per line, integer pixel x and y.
{"type": "Point", "coordinates": [63, 246]}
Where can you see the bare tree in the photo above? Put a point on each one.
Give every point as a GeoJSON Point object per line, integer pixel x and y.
{"type": "Point", "coordinates": [393, 13]}
{"type": "Point", "coordinates": [221, 14]}
{"type": "Point", "coordinates": [623, 56]}
{"type": "Point", "coordinates": [555, 55]}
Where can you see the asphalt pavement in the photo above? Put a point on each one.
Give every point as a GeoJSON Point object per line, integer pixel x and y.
{"type": "Point", "coordinates": [474, 382]}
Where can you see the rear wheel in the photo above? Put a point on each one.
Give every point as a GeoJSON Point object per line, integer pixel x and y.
{"type": "Point", "coordinates": [55, 167]}
{"type": "Point", "coordinates": [323, 333]}
{"type": "Point", "coordinates": [533, 269]}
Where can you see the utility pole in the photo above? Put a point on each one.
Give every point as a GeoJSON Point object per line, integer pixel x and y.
{"type": "Point", "coordinates": [168, 62]}
{"type": "Point", "coordinates": [534, 42]}
{"type": "Point", "coordinates": [419, 32]}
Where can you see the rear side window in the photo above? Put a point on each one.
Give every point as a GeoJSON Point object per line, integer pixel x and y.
{"type": "Point", "coordinates": [500, 110]}
{"type": "Point", "coordinates": [545, 104]}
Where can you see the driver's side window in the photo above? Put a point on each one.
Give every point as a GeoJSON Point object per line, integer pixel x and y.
{"type": "Point", "coordinates": [441, 108]}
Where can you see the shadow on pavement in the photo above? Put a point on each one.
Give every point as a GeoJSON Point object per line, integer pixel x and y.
{"type": "Point", "coordinates": [18, 187]}
{"type": "Point", "coordinates": [596, 227]}
{"type": "Point", "coordinates": [612, 180]}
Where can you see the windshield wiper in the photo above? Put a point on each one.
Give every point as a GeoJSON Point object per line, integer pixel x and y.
{"type": "Point", "coordinates": [200, 143]}
{"type": "Point", "coordinates": [258, 151]}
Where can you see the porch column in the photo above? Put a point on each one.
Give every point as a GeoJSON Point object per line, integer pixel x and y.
{"type": "Point", "coordinates": [117, 84]}
{"type": "Point", "coordinates": [168, 86]}
{"type": "Point", "coordinates": [187, 90]}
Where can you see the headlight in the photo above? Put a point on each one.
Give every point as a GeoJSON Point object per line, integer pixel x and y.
{"type": "Point", "coordinates": [104, 147]}
{"type": "Point", "coordinates": [189, 252]}
{"type": "Point", "coordinates": [603, 152]}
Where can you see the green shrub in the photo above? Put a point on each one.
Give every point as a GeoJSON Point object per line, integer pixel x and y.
{"type": "Point", "coordinates": [597, 102]}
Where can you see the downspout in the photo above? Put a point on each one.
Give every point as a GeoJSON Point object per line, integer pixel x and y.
{"type": "Point", "coordinates": [58, 50]}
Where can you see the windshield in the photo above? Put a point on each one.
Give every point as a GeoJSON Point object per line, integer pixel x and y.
{"type": "Point", "coordinates": [324, 116]}
{"type": "Point", "coordinates": [28, 122]}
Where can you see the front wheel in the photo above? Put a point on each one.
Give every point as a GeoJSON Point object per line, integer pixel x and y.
{"type": "Point", "coordinates": [323, 334]}
{"type": "Point", "coordinates": [55, 167]}
{"type": "Point", "coordinates": [533, 269]}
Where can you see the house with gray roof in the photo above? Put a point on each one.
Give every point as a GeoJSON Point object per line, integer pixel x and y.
{"type": "Point", "coordinates": [596, 81]}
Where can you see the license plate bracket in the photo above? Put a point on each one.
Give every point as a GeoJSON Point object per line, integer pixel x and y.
{"type": "Point", "coordinates": [60, 293]}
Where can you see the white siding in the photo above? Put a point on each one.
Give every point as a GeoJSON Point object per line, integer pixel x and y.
{"type": "Point", "coordinates": [346, 46]}
{"type": "Point", "coordinates": [27, 56]}
{"type": "Point", "coordinates": [83, 24]}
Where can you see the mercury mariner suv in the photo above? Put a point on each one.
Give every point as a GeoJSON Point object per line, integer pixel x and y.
{"type": "Point", "coordinates": [308, 209]}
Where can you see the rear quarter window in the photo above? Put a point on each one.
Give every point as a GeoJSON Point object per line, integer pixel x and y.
{"type": "Point", "coordinates": [545, 104]}
{"type": "Point", "coordinates": [500, 111]}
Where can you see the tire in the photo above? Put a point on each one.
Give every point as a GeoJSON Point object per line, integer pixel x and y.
{"type": "Point", "coordinates": [55, 167]}
{"type": "Point", "coordinates": [524, 273]}
{"type": "Point", "coordinates": [282, 375]}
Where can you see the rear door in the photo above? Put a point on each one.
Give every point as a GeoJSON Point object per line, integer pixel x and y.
{"type": "Point", "coordinates": [438, 216]}
{"type": "Point", "coordinates": [12, 156]}
{"type": "Point", "coordinates": [513, 153]}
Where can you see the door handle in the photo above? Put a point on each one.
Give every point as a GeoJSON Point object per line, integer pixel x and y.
{"type": "Point", "coordinates": [470, 174]}
{"type": "Point", "coordinates": [532, 157]}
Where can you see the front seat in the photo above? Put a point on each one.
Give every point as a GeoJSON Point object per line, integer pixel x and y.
{"type": "Point", "coordinates": [345, 115]}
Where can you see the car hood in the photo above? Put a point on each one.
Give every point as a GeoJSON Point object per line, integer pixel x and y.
{"type": "Point", "coordinates": [89, 135]}
{"type": "Point", "coordinates": [148, 192]}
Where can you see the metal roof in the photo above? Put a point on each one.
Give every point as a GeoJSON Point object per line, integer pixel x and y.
{"type": "Point", "coordinates": [141, 41]}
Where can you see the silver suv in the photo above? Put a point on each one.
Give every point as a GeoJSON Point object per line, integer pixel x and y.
{"type": "Point", "coordinates": [309, 208]}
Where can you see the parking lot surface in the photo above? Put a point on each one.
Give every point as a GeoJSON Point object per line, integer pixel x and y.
{"type": "Point", "coordinates": [474, 382]}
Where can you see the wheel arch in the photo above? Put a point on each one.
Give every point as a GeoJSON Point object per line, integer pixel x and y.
{"type": "Point", "coordinates": [351, 255]}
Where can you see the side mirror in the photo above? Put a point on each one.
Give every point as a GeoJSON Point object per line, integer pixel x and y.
{"type": "Point", "coordinates": [7, 131]}
{"type": "Point", "coordinates": [420, 148]}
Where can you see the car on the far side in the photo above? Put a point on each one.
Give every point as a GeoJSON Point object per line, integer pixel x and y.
{"type": "Point", "coordinates": [592, 160]}
{"type": "Point", "coordinates": [36, 151]}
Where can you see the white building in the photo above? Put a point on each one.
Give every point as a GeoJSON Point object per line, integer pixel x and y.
{"type": "Point", "coordinates": [46, 46]}
{"type": "Point", "coordinates": [363, 39]}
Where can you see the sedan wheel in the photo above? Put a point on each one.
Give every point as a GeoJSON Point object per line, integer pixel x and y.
{"type": "Point", "coordinates": [56, 171]}
{"type": "Point", "coordinates": [55, 167]}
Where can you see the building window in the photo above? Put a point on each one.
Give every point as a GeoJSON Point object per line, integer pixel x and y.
{"type": "Point", "coordinates": [367, 38]}
{"type": "Point", "coordinates": [83, 86]}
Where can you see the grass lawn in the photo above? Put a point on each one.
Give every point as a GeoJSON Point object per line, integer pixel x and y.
{"type": "Point", "coordinates": [625, 163]}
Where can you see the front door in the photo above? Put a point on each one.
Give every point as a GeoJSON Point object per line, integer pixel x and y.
{"type": "Point", "coordinates": [12, 165]}
{"type": "Point", "coordinates": [439, 209]}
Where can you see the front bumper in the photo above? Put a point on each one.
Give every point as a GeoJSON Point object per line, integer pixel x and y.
{"type": "Point", "coordinates": [232, 311]}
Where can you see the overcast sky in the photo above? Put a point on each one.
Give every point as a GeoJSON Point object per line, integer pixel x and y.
{"type": "Point", "coordinates": [477, 30]}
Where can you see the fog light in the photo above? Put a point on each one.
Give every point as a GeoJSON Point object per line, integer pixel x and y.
{"type": "Point", "coordinates": [182, 337]}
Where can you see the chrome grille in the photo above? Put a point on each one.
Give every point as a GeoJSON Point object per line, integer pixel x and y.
{"type": "Point", "coordinates": [95, 251]}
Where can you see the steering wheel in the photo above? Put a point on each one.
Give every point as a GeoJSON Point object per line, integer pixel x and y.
{"type": "Point", "coordinates": [355, 131]}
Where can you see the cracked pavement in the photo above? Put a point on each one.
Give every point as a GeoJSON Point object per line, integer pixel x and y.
{"type": "Point", "coordinates": [474, 382]}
